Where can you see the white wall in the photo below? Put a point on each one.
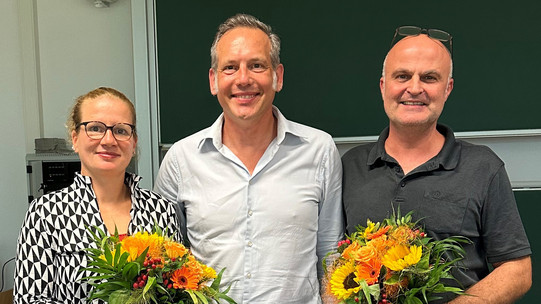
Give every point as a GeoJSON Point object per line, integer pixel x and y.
{"type": "Point", "coordinates": [51, 52]}
{"type": "Point", "coordinates": [81, 47]}
{"type": "Point", "coordinates": [13, 200]}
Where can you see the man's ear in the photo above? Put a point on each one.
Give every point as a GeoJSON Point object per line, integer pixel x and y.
{"type": "Point", "coordinates": [213, 82]}
{"type": "Point", "coordinates": [279, 74]}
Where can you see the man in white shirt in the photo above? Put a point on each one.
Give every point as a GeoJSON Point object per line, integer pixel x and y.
{"type": "Point", "coordinates": [260, 195]}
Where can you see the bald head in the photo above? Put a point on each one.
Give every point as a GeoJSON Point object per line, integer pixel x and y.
{"type": "Point", "coordinates": [421, 45]}
{"type": "Point", "coordinates": [416, 82]}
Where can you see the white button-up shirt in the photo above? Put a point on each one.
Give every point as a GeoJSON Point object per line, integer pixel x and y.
{"type": "Point", "coordinates": [268, 228]}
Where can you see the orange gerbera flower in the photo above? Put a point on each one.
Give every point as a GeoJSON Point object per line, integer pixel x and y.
{"type": "Point", "coordinates": [369, 271]}
{"type": "Point", "coordinates": [174, 249]}
{"type": "Point", "coordinates": [138, 242]}
{"type": "Point", "coordinates": [184, 278]}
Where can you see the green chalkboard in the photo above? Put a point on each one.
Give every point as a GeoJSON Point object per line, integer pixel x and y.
{"type": "Point", "coordinates": [333, 53]}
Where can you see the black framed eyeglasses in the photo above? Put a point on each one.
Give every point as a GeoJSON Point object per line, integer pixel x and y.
{"type": "Point", "coordinates": [409, 30]}
{"type": "Point", "coordinates": [97, 130]}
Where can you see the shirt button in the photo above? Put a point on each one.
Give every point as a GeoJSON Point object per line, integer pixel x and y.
{"type": "Point", "coordinates": [403, 185]}
{"type": "Point", "coordinates": [250, 212]}
{"type": "Point", "coordinates": [250, 244]}
{"type": "Point", "coordinates": [248, 275]}
{"type": "Point", "coordinates": [397, 169]}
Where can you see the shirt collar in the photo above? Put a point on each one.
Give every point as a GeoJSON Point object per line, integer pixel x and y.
{"type": "Point", "coordinates": [213, 134]}
{"type": "Point", "coordinates": [447, 158]}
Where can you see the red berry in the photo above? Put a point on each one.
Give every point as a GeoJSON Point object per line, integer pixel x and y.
{"type": "Point", "coordinates": [153, 266]}
{"type": "Point", "coordinates": [165, 282]}
{"type": "Point", "coordinates": [142, 284]}
{"type": "Point", "coordinates": [135, 285]}
{"type": "Point", "coordinates": [145, 263]}
{"type": "Point", "coordinates": [170, 286]}
{"type": "Point", "coordinates": [173, 259]}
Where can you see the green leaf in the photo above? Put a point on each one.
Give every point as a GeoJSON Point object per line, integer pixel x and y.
{"type": "Point", "coordinates": [201, 297]}
{"type": "Point", "coordinates": [150, 282]}
{"type": "Point", "coordinates": [193, 296]}
{"type": "Point", "coordinates": [119, 296]}
{"type": "Point", "coordinates": [366, 292]}
{"type": "Point", "coordinates": [216, 284]}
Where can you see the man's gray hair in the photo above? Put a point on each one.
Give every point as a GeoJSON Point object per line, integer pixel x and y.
{"type": "Point", "coordinates": [244, 20]}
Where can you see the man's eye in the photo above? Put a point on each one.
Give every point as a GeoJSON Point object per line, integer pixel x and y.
{"type": "Point", "coordinates": [230, 69]}
{"type": "Point", "coordinates": [430, 78]}
{"type": "Point", "coordinates": [402, 77]}
{"type": "Point", "coordinates": [258, 67]}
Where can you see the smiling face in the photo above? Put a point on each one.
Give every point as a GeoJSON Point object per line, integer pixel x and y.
{"type": "Point", "coordinates": [108, 155]}
{"type": "Point", "coordinates": [416, 81]}
{"type": "Point", "coordinates": [244, 81]}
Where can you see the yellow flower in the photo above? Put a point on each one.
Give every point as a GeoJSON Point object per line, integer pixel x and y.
{"type": "Point", "coordinates": [400, 257]}
{"type": "Point", "coordinates": [370, 227]}
{"type": "Point", "coordinates": [174, 249]}
{"type": "Point", "coordinates": [140, 241]}
{"type": "Point", "coordinates": [208, 272]}
{"type": "Point", "coordinates": [343, 282]}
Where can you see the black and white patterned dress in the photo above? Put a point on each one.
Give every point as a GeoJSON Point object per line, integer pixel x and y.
{"type": "Point", "coordinates": [50, 246]}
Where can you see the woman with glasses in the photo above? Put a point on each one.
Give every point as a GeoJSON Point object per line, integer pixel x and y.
{"type": "Point", "coordinates": [50, 249]}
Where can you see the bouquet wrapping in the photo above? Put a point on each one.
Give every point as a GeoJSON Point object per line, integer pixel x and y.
{"type": "Point", "coordinates": [391, 262]}
{"type": "Point", "coordinates": [149, 268]}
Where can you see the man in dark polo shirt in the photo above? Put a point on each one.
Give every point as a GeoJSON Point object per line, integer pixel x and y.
{"type": "Point", "coordinates": [454, 187]}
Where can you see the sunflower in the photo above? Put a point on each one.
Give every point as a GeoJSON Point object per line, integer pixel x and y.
{"type": "Point", "coordinates": [184, 278]}
{"type": "Point", "coordinates": [343, 282]}
{"type": "Point", "coordinates": [400, 257]}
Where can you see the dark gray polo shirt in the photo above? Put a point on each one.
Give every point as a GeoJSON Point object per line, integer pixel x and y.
{"type": "Point", "coordinates": [464, 190]}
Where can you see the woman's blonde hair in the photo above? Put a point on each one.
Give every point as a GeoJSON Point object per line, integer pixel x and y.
{"type": "Point", "coordinates": [74, 117]}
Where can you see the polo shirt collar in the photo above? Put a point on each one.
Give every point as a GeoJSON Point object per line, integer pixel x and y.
{"type": "Point", "coordinates": [447, 158]}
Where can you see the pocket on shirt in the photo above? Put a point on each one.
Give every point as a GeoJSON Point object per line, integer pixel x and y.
{"type": "Point", "coordinates": [444, 212]}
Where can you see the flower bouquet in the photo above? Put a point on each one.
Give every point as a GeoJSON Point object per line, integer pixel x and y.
{"type": "Point", "coordinates": [390, 262]}
{"type": "Point", "coordinates": [149, 268]}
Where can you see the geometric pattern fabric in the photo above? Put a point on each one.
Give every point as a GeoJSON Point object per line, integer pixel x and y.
{"type": "Point", "coordinates": [50, 248]}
